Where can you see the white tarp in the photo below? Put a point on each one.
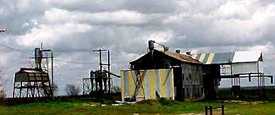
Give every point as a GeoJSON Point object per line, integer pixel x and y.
{"type": "Point", "coordinates": [246, 56]}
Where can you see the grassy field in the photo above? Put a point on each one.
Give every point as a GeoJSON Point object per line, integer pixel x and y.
{"type": "Point", "coordinates": [78, 107]}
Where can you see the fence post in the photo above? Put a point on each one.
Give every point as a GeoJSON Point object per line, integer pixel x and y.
{"type": "Point", "coordinates": [210, 110]}
{"type": "Point", "coordinates": [206, 110]}
{"type": "Point", "coordinates": [222, 109]}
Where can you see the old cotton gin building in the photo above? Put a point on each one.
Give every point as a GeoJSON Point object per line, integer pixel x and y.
{"type": "Point", "coordinates": [189, 78]}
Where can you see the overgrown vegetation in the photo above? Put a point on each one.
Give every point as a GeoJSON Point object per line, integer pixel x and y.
{"type": "Point", "coordinates": [163, 106]}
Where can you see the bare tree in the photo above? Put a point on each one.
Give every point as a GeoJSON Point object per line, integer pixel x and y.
{"type": "Point", "coordinates": [116, 89]}
{"type": "Point", "coordinates": [2, 90]}
{"type": "Point", "coordinates": [54, 88]}
{"type": "Point", "coordinates": [72, 90]}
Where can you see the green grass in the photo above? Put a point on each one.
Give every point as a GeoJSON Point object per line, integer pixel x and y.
{"type": "Point", "coordinates": [77, 107]}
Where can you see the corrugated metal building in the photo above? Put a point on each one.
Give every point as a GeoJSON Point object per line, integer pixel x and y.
{"type": "Point", "coordinates": [189, 74]}
{"type": "Point", "coordinates": [237, 65]}
{"type": "Point", "coordinates": [232, 63]}
{"type": "Point", "coordinates": [198, 75]}
{"type": "Point", "coordinates": [147, 84]}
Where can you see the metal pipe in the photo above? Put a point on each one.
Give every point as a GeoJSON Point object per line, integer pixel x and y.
{"type": "Point", "coordinates": [109, 69]}
{"type": "Point", "coordinates": [52, 72]}
{"type": "Point", "coordinates": [258, 74]}
{"type": "Point", "coordinates": [13, 89]}
{"type": "Point", "coordinates": [231, 72]}
{"type": "Point", "coordinates": [82, 87]}
{"type": "Point", "coordinates": [100, 63]}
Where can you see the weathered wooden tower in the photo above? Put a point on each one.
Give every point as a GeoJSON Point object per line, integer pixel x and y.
{"type": "Point", "coordinates": [35, 82]}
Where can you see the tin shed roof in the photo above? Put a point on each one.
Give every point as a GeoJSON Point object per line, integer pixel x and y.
{"type": "Point", "coordinates": [229, 57]}
{"type": "Point", "coordinates": [214, 58]}
{"type": "Point", "coordinates": [247, 56]}
{"type": "Point", "coordinates": [180, 57]}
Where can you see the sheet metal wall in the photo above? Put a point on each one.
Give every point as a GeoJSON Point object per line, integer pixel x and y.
{"type": "Point", "coordinates": [193, 81]}
{"type": "Point", "coordinates": [241, 68]}
{"type": "Point", "coordinates": [154, 82]}
{"type": "Point", "coordinates": [244, 68]}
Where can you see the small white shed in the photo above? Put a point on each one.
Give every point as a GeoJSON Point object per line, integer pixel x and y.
{"type": "Point", "coordinates": [232, 63]}
{"type": "Point", "coordinates": [247, 62]}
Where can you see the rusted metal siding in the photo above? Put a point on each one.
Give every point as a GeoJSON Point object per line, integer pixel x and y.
{"type": "Point", "coordinates": [192, 81]}
{"type": "Point", "coordinates": [154, 83]}
{"type": "Point", "coordinates": [240, 68]}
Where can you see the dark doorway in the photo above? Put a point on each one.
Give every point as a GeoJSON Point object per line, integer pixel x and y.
{"type": "Point", "coordinates": [178, 82]}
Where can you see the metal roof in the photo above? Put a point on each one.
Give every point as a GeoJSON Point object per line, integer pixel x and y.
{"type": "Point", "coordinates": [229, 57]}
{"type": "Point", "coordinates": [214, 58]}
{"type": "Point", "coordinates": [181, 57]}
{"type": "Point", "coordinates": [31, 74]}
{"type": "Point", "coordinates": [178, 56]}
{"type": "Point", "coordinates": [247, 56]}
{"type": "Point", "coordinates": [31, 70]}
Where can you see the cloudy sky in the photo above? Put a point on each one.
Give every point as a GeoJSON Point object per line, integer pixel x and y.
{"type": "Point", "coordinates": [73, 28]}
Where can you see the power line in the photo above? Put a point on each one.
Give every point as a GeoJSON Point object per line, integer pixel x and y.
{"type": "Point", "coordinates": [14, 49]}
{"type": "Point", "coordinates": [75, 62]}
{"type": "Point", "coordinates": [27, 53]}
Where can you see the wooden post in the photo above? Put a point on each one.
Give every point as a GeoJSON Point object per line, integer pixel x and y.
{"type": "Point", "coordinates": [222, 109]}
{"type": "Point", "coordinates": [210, 107]}
{"type": "Point", "coordinates": [206, 110]}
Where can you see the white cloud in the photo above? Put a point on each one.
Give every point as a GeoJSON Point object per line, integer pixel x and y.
{"type": "Point", "coordinates": [50, 34]}
{"type": "Point", "coordinates": [234, 9]}
{"type": "Point", "coordinates": [160, 36]}
{"type": "Point", "coordinates": [113, 17]}
{"type": "Point", "coordinates": [121, 17]}
{"type": "Point", "coordinates": [73, 28]}
{"type": "Point", "coordinates": [265, 48]}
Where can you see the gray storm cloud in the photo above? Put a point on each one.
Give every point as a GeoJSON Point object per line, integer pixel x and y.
{"type": "Point", "coordinates": [73, 28]}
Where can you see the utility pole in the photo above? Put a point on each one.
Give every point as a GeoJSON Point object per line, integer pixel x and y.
{"type": "Point", "coordinates": [51, 57]}
{"type": "Point", "coordinates": [101, 64]}
{"type": "Point", "coordinates": [49, 51]}
{"type": "Point", "coordinates": [100, 51]}
{"type": "Point", "coordinates": [2, 30]}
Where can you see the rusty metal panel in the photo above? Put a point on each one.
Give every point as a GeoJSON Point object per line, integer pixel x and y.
{"type": "Point", "coordinates": [147, 84]}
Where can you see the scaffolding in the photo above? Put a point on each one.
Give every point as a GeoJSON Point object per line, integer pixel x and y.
{"type": "Point", "coordinates": [236, 80]}
{"type": "Point", "coordinates": [100, 82]}
{"type": "Point", "coordinates": [35, 82]}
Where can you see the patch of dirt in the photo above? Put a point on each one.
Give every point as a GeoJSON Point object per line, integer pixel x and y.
{"type": "Point", "coordinates": [244, 102]}
{"type": "Point", "coordinates": [173, 114]}
{"type": "Point", "coordinates": [192, 114]}
{"type": "Point", "coordinates": [81, 110]}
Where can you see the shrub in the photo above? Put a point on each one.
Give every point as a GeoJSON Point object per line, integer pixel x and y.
{"type": "Point", "coordinates": [72, 90]}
